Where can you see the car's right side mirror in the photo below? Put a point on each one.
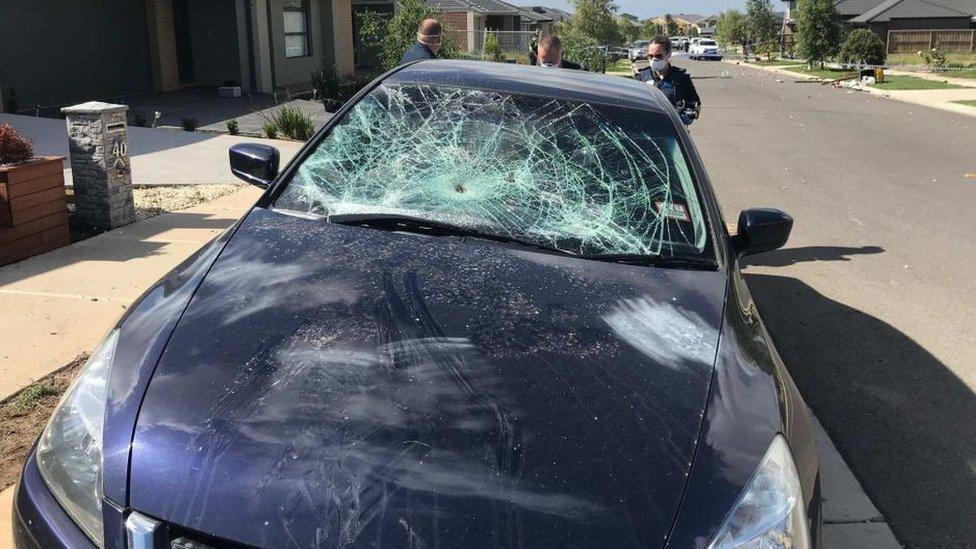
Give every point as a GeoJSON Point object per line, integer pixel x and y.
{"type": "Point", "coordinates": [762, 230]}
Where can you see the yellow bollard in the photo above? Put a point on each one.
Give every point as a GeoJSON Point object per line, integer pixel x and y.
{"type": "Point", "coordinates": [879, 75]}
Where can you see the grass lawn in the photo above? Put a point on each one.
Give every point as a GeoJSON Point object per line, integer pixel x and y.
{"type": "Point", "coordinates": [954, 59]}
{"type": "Point", "coordinates": [620, 68]}
{"type": "Point", "coordinates": [828, 73]}
{"type": "Point", "coordinates": [912, 83]}
{"type": "Point", "coordinates": [968, 103]}
{"type": "Point", "coordinates": [965, 73]}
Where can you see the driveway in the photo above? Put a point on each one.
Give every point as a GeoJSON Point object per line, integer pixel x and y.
{"type": "Point", "coordinates": [873, 302]}
{"type": "Point", "coordinates": [159, 156]}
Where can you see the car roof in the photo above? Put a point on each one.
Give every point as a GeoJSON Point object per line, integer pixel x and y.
{"type": "Point", "coordinates": [530, 80]}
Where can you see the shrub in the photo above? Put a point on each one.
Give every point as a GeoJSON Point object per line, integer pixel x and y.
{"type": "Point", "coordinates": [189, 124]}
{"type": "Point", "coordinates": [14, 148]}
{"type": "Point", "coordinates": [492, 50]}
{"type": "Point", "coordinates": [327, 84]}
{"type": "Point", "coordinates": [934, 58]}
{"type": "Point", "coordinates": [270, 130]}
{"type": "Point", "coordinates": [233, 127]}
{"type": "Point", "coordinates": [582, 49]}
{"type": "Point", "coordinates": [387, 38]}
{"type": "Point", "coordinates": [293, 123]}
{"type": "Point", "coordinates": [863, 47]}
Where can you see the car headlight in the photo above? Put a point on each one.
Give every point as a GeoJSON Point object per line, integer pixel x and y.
{"type": "Point", "coordinates": [69, 452]}
{"type": "Point", "coordinates": [770, 512]}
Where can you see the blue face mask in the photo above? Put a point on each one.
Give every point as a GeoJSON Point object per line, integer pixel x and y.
{"type": "Point", "coordinates": [658, 65]}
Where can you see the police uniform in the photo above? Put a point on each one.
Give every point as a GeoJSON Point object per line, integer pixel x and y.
{"type": "Point", "coordinates": [676, 85]}
{"type": "Point", "coordinates": [418, 52]}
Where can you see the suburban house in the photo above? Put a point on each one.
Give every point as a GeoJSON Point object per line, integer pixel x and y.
{"type": "Point", "coordinates": [114, 49]}
{"type": "Point", "coordinates": [905, 25]}
{"type": "Point", "coordinates": [536, 19]}
{"type": "Point", "coordinates": [685, 21]}
{"type": "Point", "coordinates": [470, 20]}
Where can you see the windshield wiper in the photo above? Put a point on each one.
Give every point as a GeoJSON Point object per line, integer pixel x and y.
{"type": "Point", "coordinates": [656, 261]}
{"type": "Point", "coordinates": [436, 228]}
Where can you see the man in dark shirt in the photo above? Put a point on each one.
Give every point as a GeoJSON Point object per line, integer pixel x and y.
{"type": "Point", "coordinates": [550, 54]}
{"type": "Point", "coordinates": [674, 82]}
{"type": "Point", "coordinates": [428, 42]}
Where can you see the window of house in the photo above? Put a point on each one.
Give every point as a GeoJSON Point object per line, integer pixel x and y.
{"type": "Point", "coordinates": [296, 28]}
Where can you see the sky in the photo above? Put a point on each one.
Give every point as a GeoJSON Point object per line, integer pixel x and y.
{"type": "Point", "coordinates": [648, 8]}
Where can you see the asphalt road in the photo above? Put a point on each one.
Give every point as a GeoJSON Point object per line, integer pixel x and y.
{"type": "Point", "coordinates": [873, 302]}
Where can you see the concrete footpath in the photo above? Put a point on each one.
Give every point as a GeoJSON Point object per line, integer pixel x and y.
{"type": "Point", "coordinates": [159, 156]}
{"type": "Point", "coordinates": [57, 305]}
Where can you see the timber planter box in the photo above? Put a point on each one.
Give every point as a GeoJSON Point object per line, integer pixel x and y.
{"type": "Point", "coordinates": [33, 209]}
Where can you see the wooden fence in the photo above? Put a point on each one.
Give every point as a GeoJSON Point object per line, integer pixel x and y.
{"type": "Point", "coordinates": [911, 41]}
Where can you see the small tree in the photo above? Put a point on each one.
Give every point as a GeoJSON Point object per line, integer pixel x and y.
{"type": "Point", "coordinates": [670, 25]}
{"type": "Point", "coordinates": [581, 48]}
{"type": "Point", "coordinates": [594, 18]}
{"type": "Point", "coordinates": [389, 38]}
{"type": "Point", "coordinates": [761, 25]}
{"type": "Point", "coordinates": [817, 30]}
{"type": "Point", "coordinates": [731, 29]}
{"type": "Point", "coordinates": [863, 47]}
{"type": "Point", "coordinates": [493, 49]}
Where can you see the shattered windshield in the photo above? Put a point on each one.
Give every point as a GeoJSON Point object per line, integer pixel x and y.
{"type": "Point", "coordinates": [582, 178]}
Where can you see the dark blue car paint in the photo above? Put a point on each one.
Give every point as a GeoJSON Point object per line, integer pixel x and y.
{"type": "Point", "coordinates": [376, 379]}
{"type": "Point", "coordinates": [749, 396]}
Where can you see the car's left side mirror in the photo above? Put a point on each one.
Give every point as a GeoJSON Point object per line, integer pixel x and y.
{"type": "Point", "coordinates": [762, 230]}
{"type": "Point", "coordinates": [255, 163]}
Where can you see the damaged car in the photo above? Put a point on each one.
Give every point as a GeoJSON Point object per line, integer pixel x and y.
{"type": "Point", "coordinates": [486, 305]}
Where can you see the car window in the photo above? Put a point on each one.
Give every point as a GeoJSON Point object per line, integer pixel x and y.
{"type": "Point", "coordinates": [707, 42]}
{"type": "Point", "coordinates": [580, 177]}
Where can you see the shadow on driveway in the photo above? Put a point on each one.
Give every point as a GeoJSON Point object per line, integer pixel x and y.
{"type": "Point", "coordinates": [902, 420]}
{"type": "Point", "coordinates": [790, 256]}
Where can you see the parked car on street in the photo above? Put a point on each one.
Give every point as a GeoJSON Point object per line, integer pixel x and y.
{"type": "Point", "coordinates": [486, 305]}
{"type": "Point", "coordinates": [679, 43]}
{"type": "Point", "coordinates": [638, 50]}
{"type": "Point", "coordinates": [704, 48]}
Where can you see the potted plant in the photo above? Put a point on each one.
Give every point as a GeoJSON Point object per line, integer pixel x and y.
{"type": "Point", "coordinates": [33, 209]}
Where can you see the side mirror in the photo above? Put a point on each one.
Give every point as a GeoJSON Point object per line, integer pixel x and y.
{"type": "Point", "coordinates": [762, 230]}
{"type": "Point", "coordinates": [255, 163]}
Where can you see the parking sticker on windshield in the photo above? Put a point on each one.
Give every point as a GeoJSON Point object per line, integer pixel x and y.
{"type": "Point", "coordinates": [673, 210]}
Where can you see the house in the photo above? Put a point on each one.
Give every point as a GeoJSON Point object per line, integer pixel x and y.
{"type": "Point", "coordinates": [470, 20]}
{"type": "Point", "coordinates": [955, 20]}
{"type": "Point", "coordinates": [536, 19]}
{"type": "Point", "coordinates": [892, 15]}
{"type": "Point", "coordinates": [685, 21]}
{"type": "Point", "coordinates": [118, 48]}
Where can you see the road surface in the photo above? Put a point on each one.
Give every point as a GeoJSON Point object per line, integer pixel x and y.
{"type": "Point", "coordinates": [873, 302]}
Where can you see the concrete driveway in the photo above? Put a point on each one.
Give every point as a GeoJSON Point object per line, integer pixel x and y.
{"type": "Point", "coordinates": [872, 303]}
{"type": "Point", "coordinates": [159, 156]}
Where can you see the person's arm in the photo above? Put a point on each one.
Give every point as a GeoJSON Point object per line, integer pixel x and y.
{"type": "Point", "coordinates": [691, 95]}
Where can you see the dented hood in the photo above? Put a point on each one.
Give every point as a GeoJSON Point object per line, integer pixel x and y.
{"type": "Point", "coordinates": [333, 386]}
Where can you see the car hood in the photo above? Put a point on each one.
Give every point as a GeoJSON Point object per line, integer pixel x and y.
{"type": "Point", "coordinates": [343, 386]}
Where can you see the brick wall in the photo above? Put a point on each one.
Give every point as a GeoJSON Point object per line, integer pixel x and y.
{"type": "Point", "coordinates": [162, 44]}
{"type": "Point", "coordinates": [457, 25]}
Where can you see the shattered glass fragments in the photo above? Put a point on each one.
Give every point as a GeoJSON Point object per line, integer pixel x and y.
{"type": "Point", "coordinates": [588, 179]}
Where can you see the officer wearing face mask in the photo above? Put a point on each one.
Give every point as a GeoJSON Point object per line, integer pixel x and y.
{"type": "Point", "coordinates": [550, 54]}
{"type": "Point", "coordinates": [674, 82]}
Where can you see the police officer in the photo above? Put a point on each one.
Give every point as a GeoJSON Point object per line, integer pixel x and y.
{"type": "Point", "coordinates": [550, 54]}
{"type": "Point", "coordinates": [674, 82]}
{"type": "Point", "coordinates": [428, 42]}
